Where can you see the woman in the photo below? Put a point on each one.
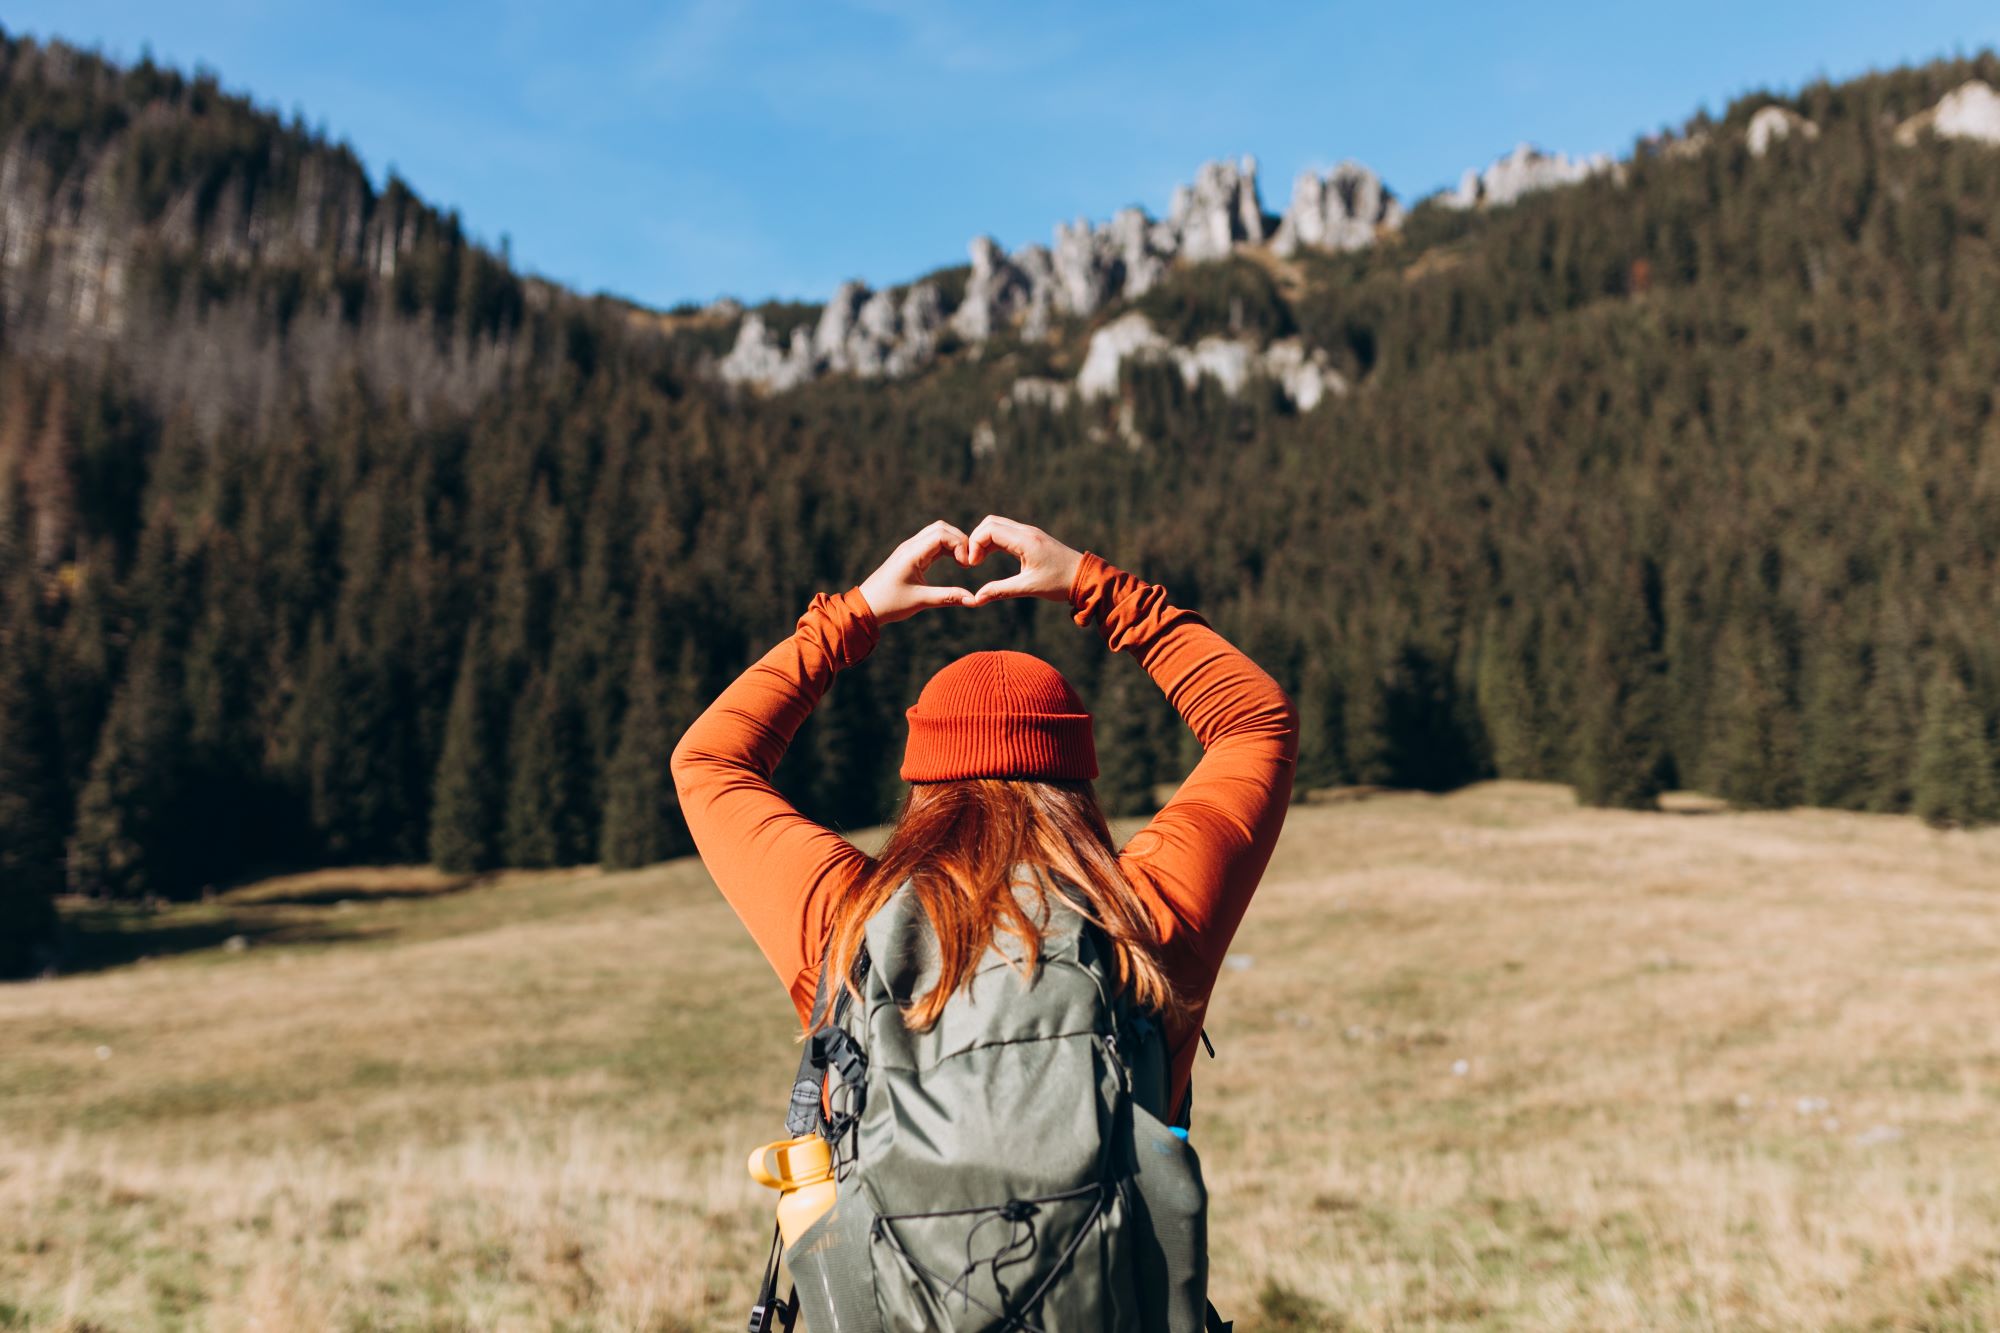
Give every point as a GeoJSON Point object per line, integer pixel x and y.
{"type": "Point", "coordinates": [999, 757]}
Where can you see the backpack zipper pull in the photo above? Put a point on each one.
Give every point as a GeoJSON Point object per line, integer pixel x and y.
{"type": "Point", "coordinates": [1118, 1058]}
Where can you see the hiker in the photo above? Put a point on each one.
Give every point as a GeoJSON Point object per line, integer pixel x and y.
{"type": "Point", "coordinates": [1001, 1048]}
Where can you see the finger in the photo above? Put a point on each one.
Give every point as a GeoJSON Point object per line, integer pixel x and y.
{"type": "Point", "coordinates": [927, 595]}
{"type": "Point", "coordinates": [1015, 585]}
{"type": "Point", "coordinates": [975, 544]}
{"type": "Point", "coordinates": [958, 539]}
{"type": "Point", "coordinates": [995, 530]}
{"type": "Point", "coordinates": [930, 534]}
{"type": "Point", "coordinates": [927, 545]}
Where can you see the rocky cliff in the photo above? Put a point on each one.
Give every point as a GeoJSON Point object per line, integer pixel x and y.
{"type": "Point", "coordinates": [230, 258]}
{"type": "Point", "coordinates": [1092, 267]}
{"type": "Point", "coordinates": [1089, 267]}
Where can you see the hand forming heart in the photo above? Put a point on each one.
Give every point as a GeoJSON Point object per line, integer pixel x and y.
{"type": "Point", "coordinates": [897, 591]}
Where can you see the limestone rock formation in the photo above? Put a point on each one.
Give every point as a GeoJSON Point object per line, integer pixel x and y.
{"type": "Point", "coordinates": [1222, 207]}
{"type": "Point", "coordinates": [1342, 210]}
{"type": "Point", "coordinates": [922, 316]}
{"type": "Point", "coordinates": [866, 333]}
{"type": "Point", "coordinates": [838, 321]}
{"type": "Point", "coordinates": [1143, 249]}
{"type": "Point", "coordinates": [859, 332]}
{"type": "Point", "coordinates": [761, 361]}
{"type": "Point", "coordinates": [1041, 391]}
{"type": "Point", "coordinates": [1227, 361]}
{"type": "Point", "coordinates": [1305, 375]}
{"type": "Point", "coordinates": [1090, 266]}
{"type": "Point", "coordinates": [1969, 111]}
{"type": "Point", "coordinates": [1773, 123]}
{"type": "Point", "coordinates": [1123, 339]}
{"type": "Point", "coordinates": [1520, 172]}
{"type": "Point", "coordinates": [996, 291]}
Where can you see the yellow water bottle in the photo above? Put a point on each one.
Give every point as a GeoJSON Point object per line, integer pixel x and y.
{"type": "Point", "coordinates": [801, 1170]}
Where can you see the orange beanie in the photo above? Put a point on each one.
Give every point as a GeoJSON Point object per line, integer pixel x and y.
{"type": "Point", "coordinates": [998, 714]}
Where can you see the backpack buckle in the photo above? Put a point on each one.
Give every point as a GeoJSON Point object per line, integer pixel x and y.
{"type": "Point", "coordinates": [769, 1312]}
{"type": "Point", "coordinates": [785, 1314]}
{"type": "Point", "coordinates": [833, 1046]}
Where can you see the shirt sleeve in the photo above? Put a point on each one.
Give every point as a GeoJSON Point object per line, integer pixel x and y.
{"type": "Point", "coordinates": [779, 870]}
{"type": "Point", "coordinates": [1200, 858]}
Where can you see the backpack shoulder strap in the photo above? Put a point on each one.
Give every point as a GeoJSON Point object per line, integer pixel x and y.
{"type": "Point", "coordinates": [803, 1115]}
{"type": "Point", "coordinates": [1184, 1115]}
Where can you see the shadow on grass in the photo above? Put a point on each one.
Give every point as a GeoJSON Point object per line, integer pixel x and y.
{"type": "Point", "coordinates": [96, 936]}
{"type": "Point", "coordinates": [328, 895]}
{"type": "Point", "coordinates": [1282, 1310]}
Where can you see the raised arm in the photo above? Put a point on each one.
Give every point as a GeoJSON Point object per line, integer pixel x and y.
{"type": "Point", "coordinates": [778, 869]}
{"type": "Point", "coordinates": [1198, 862]}
{"type": "Point", "coordinates": [1204, 852]}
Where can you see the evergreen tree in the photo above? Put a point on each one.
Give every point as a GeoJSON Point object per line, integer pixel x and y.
{"type": "Point", "coordinates": [1430, 730]}
{"type": "Point", "coordinates": [685, 699]}
{"type": "Point", "coordinates": [545, 822]}
{"type": "Point", "coordinates": [1620, 753]}
{"type": "Point", "coordinates": [1322, 728]}
{"type": "Point", "coordinates": [466, 795]}
{"type": "Point", "coordinates": [1793, 424]}
{"type": "Point", "coordinates": [31, 811]}
{"type": "Point", "coordinates": [1371, 741]}
{"type": "Point", "coordinates": [1755, 734]}
{"type": "Point", "coordinates": [844, 746]}
{"type": "Point", "coordinates": [1509, 709]}
{"type": "Point", "coordinates": [1956, 780]}
{"type": "Point", "coordinates": [1833, 755]}
{"type": "Point", "coordinates": [1689, 650]}
{"type": "Point", "coordinates": [640, 810]}
{"type": "Point", "coordinates": [131, 839]}
{"type": "Point", "coordinates": [1893, 709]}
{"type": "Point", "coordinates": [1127, 767]}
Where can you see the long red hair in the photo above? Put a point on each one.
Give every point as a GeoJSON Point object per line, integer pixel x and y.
{"type": "Point", "coordinates": [956, 841]}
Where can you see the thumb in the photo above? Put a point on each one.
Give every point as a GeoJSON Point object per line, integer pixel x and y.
{"type": "Point", "coordinates": [927, 595]}
{"type": "Point", "coordinates": [1015, 585]}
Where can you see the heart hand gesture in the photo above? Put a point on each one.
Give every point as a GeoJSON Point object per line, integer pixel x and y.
{"type": "Point", "coordinates": [1048, 568]}
{"type": "Point", "coordinates": [897, 591]}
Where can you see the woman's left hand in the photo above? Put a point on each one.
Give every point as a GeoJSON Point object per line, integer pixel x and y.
{"type": "Point", "coordinates": [897, 590]}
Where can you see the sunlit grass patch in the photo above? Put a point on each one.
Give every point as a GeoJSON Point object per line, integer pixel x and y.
{"type": "Point", "coordinates": [1485, 1061]}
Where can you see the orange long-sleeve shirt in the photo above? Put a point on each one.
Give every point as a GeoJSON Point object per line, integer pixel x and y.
{"type": "Point", "coordinates": [1195, 864]}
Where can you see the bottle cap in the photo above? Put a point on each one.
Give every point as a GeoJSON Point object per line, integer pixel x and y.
{"type": "Point", "coordinates": [790, 1163]}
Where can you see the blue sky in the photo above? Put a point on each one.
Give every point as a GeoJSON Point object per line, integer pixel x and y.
{"type": "Point", "coordinates": [757, 148]}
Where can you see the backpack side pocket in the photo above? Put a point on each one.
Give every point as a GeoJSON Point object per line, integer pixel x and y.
{"type": "Point", "coordinates": [1170, 1208]}
{"type": "Point", "coordinates": [830, 1264]}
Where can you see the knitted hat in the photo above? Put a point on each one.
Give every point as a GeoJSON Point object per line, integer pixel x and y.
{"type": "Point", "coordinates": [998, 714]}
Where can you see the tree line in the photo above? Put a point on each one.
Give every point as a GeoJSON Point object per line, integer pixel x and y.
{"type": "Point", "coordinates": [1689, 480]}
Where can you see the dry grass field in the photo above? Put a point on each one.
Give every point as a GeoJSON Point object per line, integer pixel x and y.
{"type": "Point", "coordinates": [1485, 1061]}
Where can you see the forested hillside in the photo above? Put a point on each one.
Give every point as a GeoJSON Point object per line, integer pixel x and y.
{"type": "Point", "coordinates": [326, 536]}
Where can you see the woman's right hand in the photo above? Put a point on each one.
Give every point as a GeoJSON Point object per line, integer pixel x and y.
{"type": "Point", "coordinates": [1048, 567]}
{"type": "Point", "coordinates": [897, 591]}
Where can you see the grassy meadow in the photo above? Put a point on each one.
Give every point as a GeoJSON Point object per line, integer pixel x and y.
{"type": "Point", "coordinates": [1486, 1060]}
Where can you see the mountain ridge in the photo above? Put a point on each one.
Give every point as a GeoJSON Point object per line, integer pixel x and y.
{"type": "Point", "coordinates": [337, 553]}
{"type": "Point", "coordinates": [1090, 266]}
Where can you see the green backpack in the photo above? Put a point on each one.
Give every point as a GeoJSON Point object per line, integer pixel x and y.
{"type": "Point", "coordinates": [1014, 1167]}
